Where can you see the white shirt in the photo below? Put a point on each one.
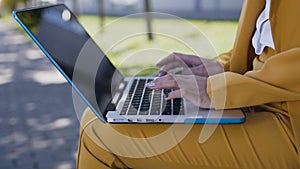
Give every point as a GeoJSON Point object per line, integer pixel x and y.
{"type": "Point", "coordinates": [263, 34]}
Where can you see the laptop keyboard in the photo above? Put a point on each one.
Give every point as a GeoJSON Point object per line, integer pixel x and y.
{"type": "Point", "coordinates": [143, 101]}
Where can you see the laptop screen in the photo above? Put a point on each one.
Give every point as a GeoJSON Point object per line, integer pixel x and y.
{"type": "Point", "coordinates": [57, 30]}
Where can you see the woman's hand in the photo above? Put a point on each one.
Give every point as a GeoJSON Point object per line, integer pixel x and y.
{"type": "Point", "coordinates": [189, 65]}
{"type": "Point", "coordinates": [190, 87]}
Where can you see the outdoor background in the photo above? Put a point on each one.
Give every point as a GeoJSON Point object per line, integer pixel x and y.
{"type": "Point", "coordinates": [38, 124]}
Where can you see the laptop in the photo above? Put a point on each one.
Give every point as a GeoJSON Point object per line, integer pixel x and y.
{"type": "Point", "coordinates": [111, 96]}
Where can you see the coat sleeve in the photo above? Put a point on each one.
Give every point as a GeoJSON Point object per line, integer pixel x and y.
{"type": "Point", "coordinates": [224, 59]}
{"type": "Point", "coordinates": [278, 80]}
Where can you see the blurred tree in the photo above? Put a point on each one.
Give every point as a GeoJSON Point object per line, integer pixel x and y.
{"type": "Point", "coordinates": [101, 12]}
{"type": "Point", "coordinates": [148, 19]}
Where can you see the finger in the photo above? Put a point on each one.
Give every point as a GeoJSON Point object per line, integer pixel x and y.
{"type": "Point", "coordinates": [205, 69]}
{"type": "Point", "coordinates": [168, 84]}
{"type": "Point", "coordinates": [173, 81]}
{"type": "Point", "coordinates": [198, 70]}
{"type": "Point", "coordinates": [189, 95]}
{"type": "Point", "coordinates": [175, 57]}
{"type": "Point", "coordinates": [170, 58]}
{"type": "Point", "coordinates": [180, 93]}
{"type": "Point", "coordinates": [174, 94]}
{"type": "Point", "coordinates": [162, 73]}
{"type": "Point", "coordinates": [163, 78]}
{"type": "Point", "coordinates": [166, 81]}
{"type": "Point", "coordinates": [169, 69]}
{"type": "Point", "coordinates": [173, 65]}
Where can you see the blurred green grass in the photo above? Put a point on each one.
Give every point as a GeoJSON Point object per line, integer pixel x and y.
{"type": "Point", "coordinates": [125, 40]}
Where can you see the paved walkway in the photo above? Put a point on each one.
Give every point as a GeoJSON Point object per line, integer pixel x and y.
{"type": "Point", "coordinates": [38, 124]}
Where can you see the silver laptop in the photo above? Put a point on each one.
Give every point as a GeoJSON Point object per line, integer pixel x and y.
{"type": "Point", "coordinates": [112, 97]}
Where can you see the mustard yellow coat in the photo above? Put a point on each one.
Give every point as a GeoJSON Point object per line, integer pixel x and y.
{"type": "Point", "coordinates": [272, 79]}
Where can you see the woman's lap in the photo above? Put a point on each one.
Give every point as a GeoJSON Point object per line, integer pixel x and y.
{"type": "Point", "coordinates": [261, 142]}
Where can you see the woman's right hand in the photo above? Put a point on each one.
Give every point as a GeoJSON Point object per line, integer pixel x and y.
{"type": "Point", "coordinates": [189, 65]}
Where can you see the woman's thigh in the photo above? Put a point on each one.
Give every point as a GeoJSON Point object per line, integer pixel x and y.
{"type": "Point", "coordinates": [261, 142]}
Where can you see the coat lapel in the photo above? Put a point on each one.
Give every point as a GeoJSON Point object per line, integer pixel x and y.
{"type": "Point", "coordinates": [243, 54]}
{"type": "Point", "coordinates": [285, 23]}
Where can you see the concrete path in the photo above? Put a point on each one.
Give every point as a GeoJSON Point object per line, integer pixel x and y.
{"type": "Point", "coordinates": [38, 124]}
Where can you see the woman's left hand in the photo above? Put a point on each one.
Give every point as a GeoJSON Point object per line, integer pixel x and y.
{"type": "Point", "coordinates": [191, 87]}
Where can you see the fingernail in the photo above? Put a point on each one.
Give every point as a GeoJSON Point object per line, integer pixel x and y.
{"type": "Point", "coordinates": [161, 72]}
{"type": "Point", "coordinates": [150, 84]}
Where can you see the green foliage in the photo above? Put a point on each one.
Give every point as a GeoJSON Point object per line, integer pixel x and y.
{"type": "Point", "coordinates": [11, 4]}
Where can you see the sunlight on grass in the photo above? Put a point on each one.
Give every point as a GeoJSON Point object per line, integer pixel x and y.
{"type": "Point", "coordinates": [126, 44]}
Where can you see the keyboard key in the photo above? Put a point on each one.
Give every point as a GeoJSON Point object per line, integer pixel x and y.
{"type": "Point", "coordinates": [145, 106]}
{"type": "Point", "coordinates": [176, 106]}
{"type": "Point", "coordinates": [167, 110]}
{"type": "Point", "coordinates": [156, 102]}
{"type": "Point", "coordinates": [166, 92]}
